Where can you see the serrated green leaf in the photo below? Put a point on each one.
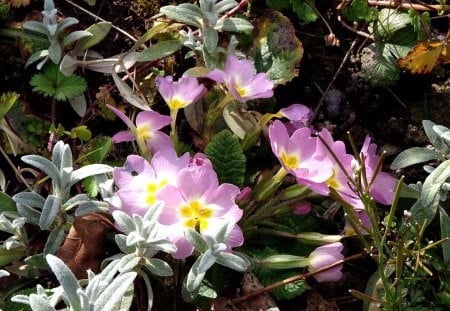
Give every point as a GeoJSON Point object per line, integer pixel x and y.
{"type": "Point", "coordinates": [286, 292]}
{"type": "Point", "coordinates": [51, 82]}
{"type": "Point", "coordinates": [225, 153]}
{"type": "Point", "coordinates": [389, 21]}
{"type": "Point", "coordinates": [277, 50]}
{"type": "Point", "coordinates": [378, 69]}
{"type": "Point", "coordinates": [413, 156]}
{"type": "Point", "coordinates": [159, 50]}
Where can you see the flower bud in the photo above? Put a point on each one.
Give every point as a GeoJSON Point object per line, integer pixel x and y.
{"type": "Point", "coordinates": [284, 262]}
{"type": "Point", "coordinates": [318, 238]}
{"type": "Point", "coordinates": [324, 256]}
{"type": "Point", "coordinates": [302, 209]}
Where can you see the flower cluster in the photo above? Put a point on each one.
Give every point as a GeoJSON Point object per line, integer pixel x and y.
{"type": "Point", "coordinates": [321, 163]}
{"type": "Point", "coordinates": [190, 191]}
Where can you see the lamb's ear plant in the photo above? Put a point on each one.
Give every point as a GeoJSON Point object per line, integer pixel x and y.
{"type": "Point", "coordinates": [104, 291]}
{"type": "Point", "coordinates": [53, 212]}
{"type": "Point", "coordinates": [434, 190]}
{"type": "Point", "coordinates": [209, 18]}
{"type": "Point", "coordinates": [212, 250]}
{"type": "Point", "coordinates": [140, 241]}
{"type": "Point", "coordinates": [53, 31]}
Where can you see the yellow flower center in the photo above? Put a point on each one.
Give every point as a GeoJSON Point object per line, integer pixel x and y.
{"type": "Point", "coordinates": [290, 161]}
{"type": "Point", "coordinates": [152, 188]}
{"type": "Point", "coordinates": [143, 132]}
{"type": "Point", "coordinates": [196, 215]}
{"type": "Point", "coordinates": [177, 103]}
{"type": "Point", "coordinates": [242, 91]}
{"type": "Point", "coordinates": [332, 182]}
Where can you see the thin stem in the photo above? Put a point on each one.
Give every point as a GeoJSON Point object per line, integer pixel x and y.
{"type": "Point", "coordinates": [18, 173]}
{"type": "Point", "coordinates": [294, 279]}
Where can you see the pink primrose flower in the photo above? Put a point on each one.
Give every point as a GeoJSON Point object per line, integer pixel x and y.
{"type": "Point", "coordinates": [181, 93]}
{"type": "Point", "coordinates": [140, 181]}
{"type": "Point", "coordinates": [241, 79]}
{"type": "Point", "coordinates": [299, 154]}
{"type": "Point", "coordinates": [383, 187]}
{"type": "Point", "coordinates": [298, 116]}
{"type": "Point", "coordinates": [197, 201]}
{"type": "Point", "coordinates": [324, 256]}
{"type": "Point", "coordinates": [148, 124]}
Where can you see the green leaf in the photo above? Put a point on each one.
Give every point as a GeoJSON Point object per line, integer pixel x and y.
{"type": "Point", "coordinates": [445, 233]}
{"type": "Point", "coordinates": [225, 153]}
{"type": "Point", "coordinates": [413, 156]}
{"type": "Point", "coordinates": [210, 38]}
{"type": "Point", "coordinates": [277, 51]}
{"type": "Point", "coordinates": [286, 292]}
{"type": "Point", "coordinates": [81, 132]}
{"type": "Point", "coordinates": [304, 11]}
{"type": "Point", "coordinates": [389, 21]}
{"type": "Point", "coordinates": [359, 10]}
{"type": "Point", "coordinates": [9, 255]}
{"type": "Point", "coordinates": [98, 31]}
{"type": "Point", "coordinates": [51, 82]}
{"type": "Point", "coordinates": [380, 70]}
{"type": "Point", "coordinates": [7, 100]}
{"type": "Point", "coordinates": [433, 183]}
{"type": "Point", "coordinates": [234, 24]}
{"type": "Point", "coordinates": [75, 36]}
{"type": "Point", "coordinates": [185, 13]}
{"type": "Point", "coordinates": [7, 204]}
{"type": "Point", "coordinates": [79, 105]}
{"type": "Point", "coordinates": [159, 50]}
{"type": "Point", "coordinates": [67, 280]}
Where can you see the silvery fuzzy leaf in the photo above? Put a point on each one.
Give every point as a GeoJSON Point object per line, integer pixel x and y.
{"type": "Point", "coordinates": [50, 210]}
{"type": "Point", "coordinates": [54, 240]}
{"type": "Point", "coordinates": [233, 261]}
{"type": "Point", "coordinates": [67, 280]}
{"type": "Point", "coordinates": [128, 94]}
{"type": "Point", "coordinates": [129, 262]}
{"type": "Point", "coordinates": [159, 245]}
{"type": "Point", "coordinates": [433, 183]}
{"type": "Point", "coordinates": [39, 303]}
{"type": "Point", "coordinates": [37, 56]}
{"type": "Point", "coordinates": [158, 267]}
{"type": "Point", "coordinates": [29, 213]}
{"type": "Point", "coordinates": [66, 22]}
{"type": "Point", "coordinates": [92, 207]}
{"type": "Point", "coordinates": [196, 239]}
{"type": "Point", "coordinates": [3, 273]}
{"type": "Point", "coordinates": [55, 52]}
{"type": "Point", "coordinates": [193, 279]}
{"type": "Point", "coordinates": [210, 39]}
{"type": "Point", "coordinates": [234, 24]}
{"type": "Point", "coordinates": [112, 295]}
{"type": "Point", "coordinates": [224, 232]}
{"type": "Point", "coordinates": [76, 200]}
{"type": "Point", "coordinates": [62, 155]}
{"type": "Point", "coordinates": [100, 281]}
{"type": "Point", "coordinates": [44, 165]}
{"type": "Point", "coordinates": [5, 224]}
{"type": "Point", "coordinates": [185, 13]}
{"type": "Point", "coordinates": [99, 32]}
{"type": "Point", "coordinates": [84, 300]}
{"type": "Point", "coordinates": [121, 241]}
{"type": "Point", "coordinates": [13, 242]}
{"type": "Point", "coordinates": [205, 261]}
{"type": "Point", "coordinates": [79, 105]}
{"type": "Point", "coordinates": [225, 5]}
{"type": "Point", "coordinates": [89, 170]}
{"type": "Point", "coordinates": [36, 27]}
{"type": "Point", "coordinates": [124, 221]}
{"type": "Point", "coordinates": [21, 299]}
{"type": "Point", "coordinates": [134, 238]}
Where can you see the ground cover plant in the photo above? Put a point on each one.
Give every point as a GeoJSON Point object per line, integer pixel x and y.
{"type": "Point", "coordinates": [206, 158]}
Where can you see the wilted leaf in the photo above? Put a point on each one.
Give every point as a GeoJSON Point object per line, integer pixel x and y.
{"type": "Point", "coordinates": [83, 247]}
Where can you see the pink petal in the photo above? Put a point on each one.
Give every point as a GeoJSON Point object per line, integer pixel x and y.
{"type": "Point", "coordinates": [122, 116]}
{"type": "Point", "coordinates": [123, 136]}
{"type": "Point", "coordinates": [155, 120]}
